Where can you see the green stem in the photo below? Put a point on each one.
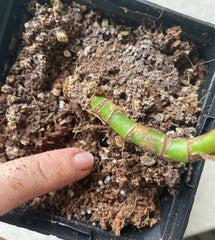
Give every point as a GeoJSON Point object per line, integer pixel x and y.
{"type": "Point", "coordinates": [185, 150]}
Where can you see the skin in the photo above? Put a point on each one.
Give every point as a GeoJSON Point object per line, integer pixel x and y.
{"type": "Point", "coordinates": [25, 178]}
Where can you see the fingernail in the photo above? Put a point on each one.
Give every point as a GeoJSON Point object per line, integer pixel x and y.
{"type": "Point", "coordinates": [84, 160]}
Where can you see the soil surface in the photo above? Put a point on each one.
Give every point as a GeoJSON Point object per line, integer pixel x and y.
{"type": "Point", "coordinates": [70, 53]}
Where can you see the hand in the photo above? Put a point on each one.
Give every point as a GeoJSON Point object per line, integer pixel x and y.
{"type": "Point", "coordinates": [25, 178]}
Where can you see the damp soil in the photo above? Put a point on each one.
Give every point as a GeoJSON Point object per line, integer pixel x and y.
{"type": "Point", "coordinates": [70, 53]}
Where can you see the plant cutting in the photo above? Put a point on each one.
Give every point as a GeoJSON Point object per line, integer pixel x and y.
{"type": "Point", "coordinates": [185, 150]}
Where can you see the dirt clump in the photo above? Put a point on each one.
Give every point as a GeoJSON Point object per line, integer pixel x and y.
{"type": "Point", "coordinates": [70, 53]}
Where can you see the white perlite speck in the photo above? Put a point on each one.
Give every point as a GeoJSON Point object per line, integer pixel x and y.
{"type": "Point", "coordinates": [100, 183]}
{"type": "Point", "coordinates": [117, 180]}
{"type": "Point", "coordinates": [107, 179]}
{"type": "Point", "coordinates": [122, 192]}
{"type": "Point", "coordinates": [83, 142]}
{"type": "Point", "coordinates": [61, 104]}
{"type": "Point", "coordinates": [89, 211]}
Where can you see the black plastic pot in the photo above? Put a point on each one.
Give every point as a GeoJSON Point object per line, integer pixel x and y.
{"type": "Point", "coordinates": [175, 211]}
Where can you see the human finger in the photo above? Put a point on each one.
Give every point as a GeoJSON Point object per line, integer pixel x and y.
{"type": "Point", "coordinates": [25, 178]}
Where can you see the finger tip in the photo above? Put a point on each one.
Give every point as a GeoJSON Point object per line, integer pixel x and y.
{"type": "Point", "coordinates": [84, 161]}
{"type": "Point", "coordinates": [78, 164]}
